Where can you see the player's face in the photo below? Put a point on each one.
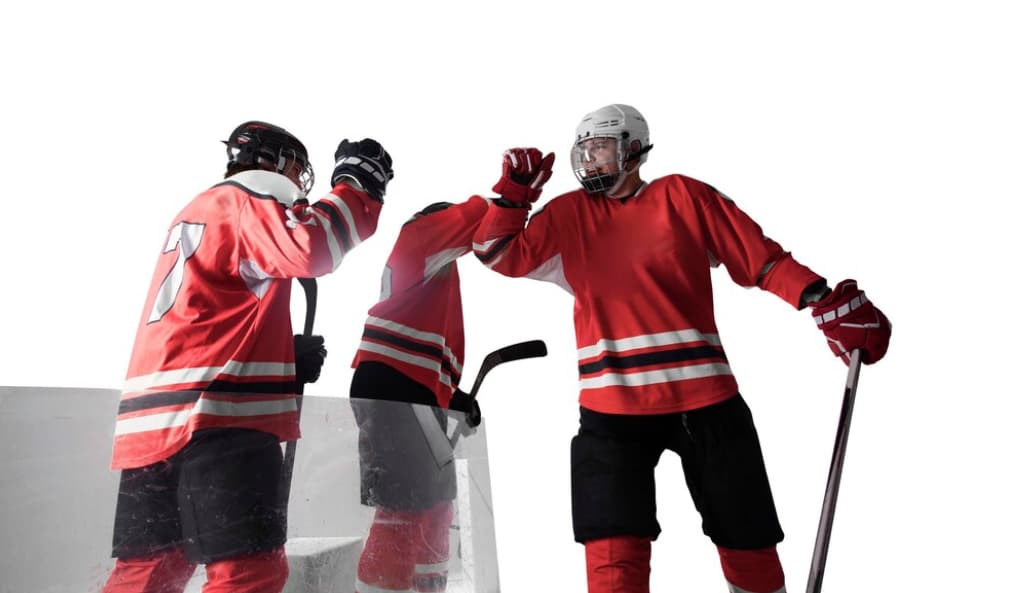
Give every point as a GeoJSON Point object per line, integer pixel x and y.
{"type": "Point", "coordinates": [598, 155]}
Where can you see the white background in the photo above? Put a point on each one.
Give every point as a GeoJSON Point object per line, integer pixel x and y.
{"type": "Point", "coordinates": [880, 141]}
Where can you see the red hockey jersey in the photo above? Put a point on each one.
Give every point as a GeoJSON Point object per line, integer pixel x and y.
{"type": "Point", "coordinates": [214, 346]}
{"type": "Point", "coordinates": [639, 270]}
{"type": "Point", "coordinates": [416, 327]}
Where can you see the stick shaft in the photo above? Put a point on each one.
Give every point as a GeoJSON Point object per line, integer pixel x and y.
{"type": "Point", "coordinates": [828, 507]}
{"type": "Point", "coordinates": [288, 464]}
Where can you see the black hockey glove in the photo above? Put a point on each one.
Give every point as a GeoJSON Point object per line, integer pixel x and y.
{"type": "Point", "coordinates": [367, 163]}
{"type": "Point", "coordinates": [462, 403]}
{"type": "Point", "coordinates": [309, 358]}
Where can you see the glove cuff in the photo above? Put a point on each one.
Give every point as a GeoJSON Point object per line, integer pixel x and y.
{"type": "Point", "coordinates": [515, 192]}
{"type": "Point", "coordinates": [350, 180]}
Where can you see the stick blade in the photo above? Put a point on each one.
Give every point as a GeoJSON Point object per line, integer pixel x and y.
{"type": "Point", "coordinates": [520, 351]}
{"type": "Point", "coordinates": [530, 349]}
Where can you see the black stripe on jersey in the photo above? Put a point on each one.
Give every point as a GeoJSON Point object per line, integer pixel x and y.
{"type": "Point", "coordinates": [337, 222]}
{"type": "Point", "coordinates": [433, 352]}
{"type": "Point", "coordinates": [261, 387]}
{"type": "Point", "coordinates": [652, 358]}
{"type": "Point", "coordinates": [448, 370]}
{"type": "Point", "coordinates": [498, 247]}
{"type": "Point", "coordinates": [159, 399]}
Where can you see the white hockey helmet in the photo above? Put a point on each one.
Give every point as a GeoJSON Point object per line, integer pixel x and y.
{"type": "Point", "coordinates": [627, 127]}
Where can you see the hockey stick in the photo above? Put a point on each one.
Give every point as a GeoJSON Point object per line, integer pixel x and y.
{"type": "Point", "coordinates": [828, 507]}
{"type": "Point", "coordinates": [520, 351]}
{"type": "Point", "coordinates": [442, 447]}
{"type": "Point", "coordinates": [308, 287]}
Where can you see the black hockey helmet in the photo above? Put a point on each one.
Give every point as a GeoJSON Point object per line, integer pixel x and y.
{"type": "Point", "coordinates": [262, 145]}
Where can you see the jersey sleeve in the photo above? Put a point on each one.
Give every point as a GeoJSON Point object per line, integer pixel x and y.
{"type": "Point", "coordinates": [426, 245]}
{"type": "Point", "coordinates": [306, 240]}
{"type": "Point", "coordinates": [752, 258]}
{"type": "Point", "coordinates": [505, 243]}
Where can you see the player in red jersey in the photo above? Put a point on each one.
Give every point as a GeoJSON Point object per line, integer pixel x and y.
{"type": "Point", "coordinates": [636, 256]}
{"type": "Point", "coordinates": [412, 351]}
{"type": "Point", "coordinates": [210, 389]}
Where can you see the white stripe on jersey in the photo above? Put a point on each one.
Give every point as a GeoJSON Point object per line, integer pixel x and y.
{"type": "Point", "coordinates": [483, 247]}
{"type": "Point", "coordinates": [551, 271]}
{"type": "Point", "coordinates": [420, 361]}
{"type": "Point", "coordinates": [152, 422]}
{"type": "Point", "coordinates": [273, 370]}
{"type": "Point", "coordinates": [423, 336]}
{"type": "Point", "coordinates": [254, 277]}
{"type": "Point", "coordinates": [435, 262]}
{"type": "Point", "coordinates": [218, 407]}
{"type": "Point", "coordinates": [647, 341]}
{"type": "Point", "coordinates": [337, 253]}
{"type": "Point", "coordinates": [211, 407]}
{"type": "Point", "coordinates": [696, 371]}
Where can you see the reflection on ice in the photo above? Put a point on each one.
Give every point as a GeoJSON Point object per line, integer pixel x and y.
{"type": "Point", "coordinates": [58, 495]}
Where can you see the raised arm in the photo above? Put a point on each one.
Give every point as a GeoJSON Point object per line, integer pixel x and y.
{"type": "Point", "coordinates": [311, 240]}
{"type": "Point", "coordinates": [503, 241]}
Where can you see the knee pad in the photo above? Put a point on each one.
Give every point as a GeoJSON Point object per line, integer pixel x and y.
{"type": "Point", "coordinates": [168, 572]}
{"type": "Point", "coordinates": [752, 571]}
{"type": "Point", "coordinates": [620, 564]}
{"type": "Point", "coordinates": [263, 572]}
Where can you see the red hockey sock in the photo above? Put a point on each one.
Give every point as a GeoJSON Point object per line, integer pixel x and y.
{"type": "Point", "coordinates": [265, 572]}
{"type": "Point", "coordinates": [753, 571]}
{"type": "Point", "coordinates": [161, 573]}
{"type": "Point", "coordinates": [387, 560]}
{"type": "Point", "coordinates": [620, 564]}
{"type": "Point", "coordinates": [431, 571]}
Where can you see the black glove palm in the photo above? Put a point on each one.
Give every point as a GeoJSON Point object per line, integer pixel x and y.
{"type": "Point", "coordinates": [309, 358]}
{"type": "Point", "coordinates": [365, 161]}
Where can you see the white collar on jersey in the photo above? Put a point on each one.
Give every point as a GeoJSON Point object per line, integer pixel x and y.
{"type": "Point", "coordinates": [268, 183]}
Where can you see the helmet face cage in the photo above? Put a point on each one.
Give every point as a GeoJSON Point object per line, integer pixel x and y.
{"type": "Point", "coordinates": [269, 147]}
{"type": "Point", "coordinates": [589, 154]}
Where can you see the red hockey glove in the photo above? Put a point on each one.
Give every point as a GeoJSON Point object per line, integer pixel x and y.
{"type": "Point", "coordinates": [523, 174]}
{"type": "Point", "coordinates": [850, 321]}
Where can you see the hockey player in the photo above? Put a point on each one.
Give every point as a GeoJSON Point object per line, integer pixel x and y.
{"type": "Point", "coordinates": [636, 256]}
{"type": "Point", "coordinates": [412, 351]}
{"type": "Point", "coordinates": [210, 390]}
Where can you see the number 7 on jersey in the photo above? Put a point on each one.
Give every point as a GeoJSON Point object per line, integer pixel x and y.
{"type": "Point", "coordinates": [187, 236]}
